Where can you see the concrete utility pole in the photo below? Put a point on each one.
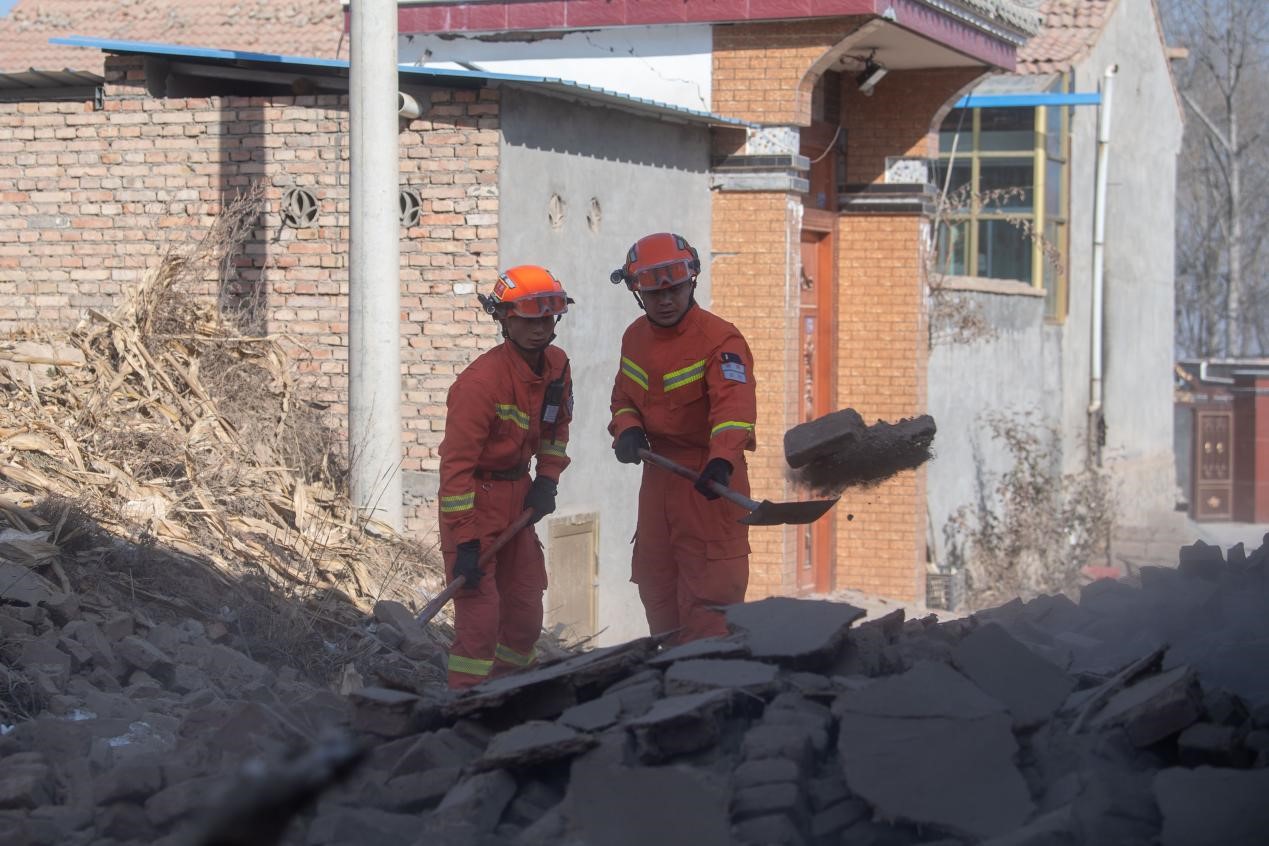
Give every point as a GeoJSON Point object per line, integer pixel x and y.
{"type": "Point", "coordinates": [374, 289]}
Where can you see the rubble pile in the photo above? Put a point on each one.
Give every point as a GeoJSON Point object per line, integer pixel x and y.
{"type": "Point", "coordinates": [168, 422]}
{"type": "Point", "coordinates": [1139, 714]}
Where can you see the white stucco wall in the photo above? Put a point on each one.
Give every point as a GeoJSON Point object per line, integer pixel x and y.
{"type": "Point", "coordinates": [618, 177]}
{"type": "Point", "coordinates": [1146, 126]}
{"type": "Point", "coordinates": [669, 64]}
{"type": "Point", "coordinates": [1043, 367]}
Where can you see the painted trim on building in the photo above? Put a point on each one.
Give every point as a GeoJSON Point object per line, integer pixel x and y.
{"type": "Point", "coordinates": [453, 78]}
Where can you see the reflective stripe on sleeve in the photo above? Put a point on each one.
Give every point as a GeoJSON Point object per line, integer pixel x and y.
{"type": "Point", "coordinates": [636, 373]}
{"type": "Point", "coordinates": [730, 424]}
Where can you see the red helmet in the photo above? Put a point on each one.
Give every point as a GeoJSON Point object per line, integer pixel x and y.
{"type": "Point", "coordinates": [657, 261]}
{"type": "Point", "coordinates": [526, 291]}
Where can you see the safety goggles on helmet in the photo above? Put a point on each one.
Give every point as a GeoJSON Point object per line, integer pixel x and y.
{"type": "Point", "coordinates": [536, 305]}
{"type": "Point", "coordinates": [665, 275]}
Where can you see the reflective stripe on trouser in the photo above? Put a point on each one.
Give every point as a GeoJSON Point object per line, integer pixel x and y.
{"type": "Point", "coordinates": [690, 553]}
{"type": "Point", "coordinates": [506, 607]}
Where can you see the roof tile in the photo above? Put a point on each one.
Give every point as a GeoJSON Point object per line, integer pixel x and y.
{"type": "Point", "coordinates": [1070, 28]}
{"type": "Point", "coordinates": [295, 27]}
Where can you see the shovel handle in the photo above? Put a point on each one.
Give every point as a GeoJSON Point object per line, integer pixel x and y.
{"type": "Point", "coordinates": [486, 555]}
{"type": "Point", "coordinates": [678, 469]}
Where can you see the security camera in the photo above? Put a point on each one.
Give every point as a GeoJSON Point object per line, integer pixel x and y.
{"type": "Point", "coordinates": [869, 77]}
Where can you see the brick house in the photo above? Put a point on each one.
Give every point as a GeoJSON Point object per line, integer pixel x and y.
{"type": "Point", "coordinates": [1037, 130]}
{"type": "Point", "coordinates": [818, 239]}
{"type": "Point", "coordinates": [496, 171]}
{"type": "Point", "coordinates": [810, 195]}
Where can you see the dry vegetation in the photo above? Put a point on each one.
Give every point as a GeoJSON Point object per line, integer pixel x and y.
{"type": "Point", "coordinates": [169, 456]}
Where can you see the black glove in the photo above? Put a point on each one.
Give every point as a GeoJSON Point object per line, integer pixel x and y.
{"type": "Point", "coordinates": [628, 445]}
{"type": "Point", "coordinates": [467, 563]}
{"type": "Point", "coordinates": [718, 470]}
{"type": "Point", "coordinates": [541, 497]}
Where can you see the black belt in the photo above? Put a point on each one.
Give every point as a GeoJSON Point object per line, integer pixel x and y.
{"type": "Point", "coordinates": [501, 475]}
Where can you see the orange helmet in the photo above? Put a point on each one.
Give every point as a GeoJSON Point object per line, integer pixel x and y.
{"type": "Point", "coordinates": [526, 291]}
{"type": "Point", "coordinates": [657, 261]}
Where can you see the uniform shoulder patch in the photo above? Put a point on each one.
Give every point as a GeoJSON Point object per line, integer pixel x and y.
{"type": "Point", "coordinates": [733, 367]}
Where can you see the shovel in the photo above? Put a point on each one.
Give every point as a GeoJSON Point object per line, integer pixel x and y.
{"type": "Point", "coordinates": [765, 513]}
{"type": "Point", "coordinates": [434, 607]}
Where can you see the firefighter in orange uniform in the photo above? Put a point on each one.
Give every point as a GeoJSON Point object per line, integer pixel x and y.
{"type": "Point", "coordinates": [685, 390]}
{"type": "Point", "coordinates": [510, 405]}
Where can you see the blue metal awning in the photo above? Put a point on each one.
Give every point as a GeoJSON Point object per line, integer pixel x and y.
{"type": "Point", "coordinates": [1013, 101]}
{"type": "Point", "coordinates": [338, 68]}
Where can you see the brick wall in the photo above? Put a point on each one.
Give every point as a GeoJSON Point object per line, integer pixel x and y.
{"type": "Point", "coordinates": [89, 199]}
{"type": "Point", "coordinates": [755, 238]}
{"type": "Point", "coordinates": [896, 120]}
{"type": "Point", "coordinates": [760, 71]}
{"type": "Point", "coordinates": [881, 373]}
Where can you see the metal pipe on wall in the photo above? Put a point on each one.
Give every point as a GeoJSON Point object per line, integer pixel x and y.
{"type": "Point", "coordinates": [374, 273]}
{"type": "Point", "coordinates": [1096, 425]}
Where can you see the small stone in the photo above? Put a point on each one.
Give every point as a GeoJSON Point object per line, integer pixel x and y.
{"type": "Point", "coordinates": [141, 654]}
{"type": "Point", "coordinates": [118, 625]}
{"type": "Point", "coordinates": [62, 608]}
{"type": "Point", "coordinates": [387, 713]}
{"type": "Point", "coordinates": [531, 743]}
{"type": "Point", "coordinates": [1211, 744]}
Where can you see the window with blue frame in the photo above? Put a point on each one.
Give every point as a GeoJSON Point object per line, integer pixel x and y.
{"type": "Point", "coordinates": [1005, 175]}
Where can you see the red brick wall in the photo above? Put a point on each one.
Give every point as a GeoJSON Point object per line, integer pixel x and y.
{"type": "Point", "coordinates": [760, 70]}
{"type": "Point", "coordinates": [896, 120]}
{"type": "Point", "coordinates": [882, 365]}
{"type": "Point", "coordinates": [752, 238]}
{"type": "Point", "coordinates": [88, 199]}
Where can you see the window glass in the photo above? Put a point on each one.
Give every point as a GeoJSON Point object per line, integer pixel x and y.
{"type": "Point", "coordinates": [1006, 129]}
{"type": "Point", "coordinates": [953, 252]}
{"type": "Point", "coordinates": [958, 192]}
{"type": "Point", "coordinates": [1054, 176]}
{"type": "Point", "coordinates": [1006, 184]}
{"type": "Point", "coordinates": [1004, 252]}
{"type": "Point", "coordinates": [1053, 131]}
{"type": "Point", "coordinates": [957, 120]}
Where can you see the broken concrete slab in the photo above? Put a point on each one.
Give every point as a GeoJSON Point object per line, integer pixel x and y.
{"type": "Point", "coordinates": [337, 827]}
{"type": "Point", "coordinates": [1212, 807]}
{"type": "Point", "coordinates": [927, 690]}
{"type": "Point", "coordinates": [765, 771]}
{"type": "Point", "coordinates": [1201, 561]}
{"type": "Point", "coordinates": [532, 743]}
{"type": "Point", "coordinates": [1031, 688]}
{"type": "Point", "coordinates": [762, 799]}
{"type": "Point", "coordinates": [434, 749]}
{"type": "Point", "coordinates": [678, 725]}
{"type": "Point", "coordinates": [415, 642]}
{"type": "Point", "coordinates": [701, 674]}
{"type": "Point", "coordinates": [793, 743]}
{"type": "Point", "coordinates": [799, 633]}
{"type": "Point", "coordinates": [142, 655]}
{"type": "Point", "coordinates": [596, 715]}
{"type": "Point", "coordinates": [1213, 745]}
{"type": "Point", "coordinates": [769, 830]}
{"type": "Point", "coordinates": [838, 817]}
{"type": "Point", "coordinates": [547, 691]}
{"type": "Point", "coordinates": [1155, 707]}
{"type": "Point", "coordinates": [838, 450]}
{"type": "Point", "coordinates": [24, 585]}
{"type": "Point", "coordinates": [480, 799]}
{"type": "Point", "coordinates": [387, 713]}
{"type": "Point", "coordinates": [1227, 661]}
{"type": "Point", "coordinates": [666, 806]}
{"type": "Point", "coordinates": [953, 769]}
{"type": "Point", "coordinates": [411, 793]}
{"type": "Point", "coordinates": [709, 647]}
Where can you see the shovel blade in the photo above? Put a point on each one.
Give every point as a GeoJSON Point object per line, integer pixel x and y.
{"type": "Point", "coordinates": [770, 513]}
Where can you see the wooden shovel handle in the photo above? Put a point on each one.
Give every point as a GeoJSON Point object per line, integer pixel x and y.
{"type": "Point", "coordinates": [722, 490]}
{"type": "Point", "coordinates": [486, 555]}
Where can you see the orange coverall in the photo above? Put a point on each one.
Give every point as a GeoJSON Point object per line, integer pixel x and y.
{"type": "Point", "coordinates": [691, 388]}
{"type": "Point", "coordinates": [494, 424]}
